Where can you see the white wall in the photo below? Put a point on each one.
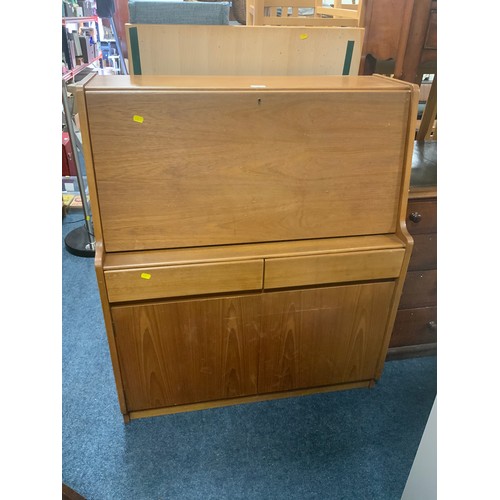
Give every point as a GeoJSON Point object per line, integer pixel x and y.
{"type": "Point", "coordinates": [422, 481]}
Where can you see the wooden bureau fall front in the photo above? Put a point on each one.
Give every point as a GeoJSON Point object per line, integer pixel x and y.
{"type": "Point", "coordinates": [250, 232]}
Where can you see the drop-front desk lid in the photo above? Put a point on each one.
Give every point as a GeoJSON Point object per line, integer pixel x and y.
{"type": "Point", "coordinates": [201, 161]}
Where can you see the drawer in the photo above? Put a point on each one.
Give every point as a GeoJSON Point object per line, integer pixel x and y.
{"type": "Point", "coordinates": [415, 326]}
{"type": "Point", "coordinates": [332, 268]}
{"type": "Point", "coordinates": [424, 255]}
{"type": "Point", "coordinates": [421, 216]}
{"type": "Point", "coordinates": [420, 289]}
{"type": "Point", "coordinates": [177, 281]}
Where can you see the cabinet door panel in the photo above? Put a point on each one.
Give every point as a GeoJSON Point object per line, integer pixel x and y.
{"type": "Point", "coordinates": [333, 268]}
{"type": "Point", "coordinates": [185, 352]}
{"type": "Point", "coordinates": [420, 289]}
{"type": "Point", "coordinates": [214, 168]}
{"type": "Point", "coordinates": [322, 336]}
{"type": "Point", "coordinates": [178, 281]}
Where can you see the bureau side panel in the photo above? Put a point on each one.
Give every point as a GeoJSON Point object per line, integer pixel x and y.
{"type": "Point", "coordinates": [187, 352]}
{"type": "Point", "coordinates": [179, 169]}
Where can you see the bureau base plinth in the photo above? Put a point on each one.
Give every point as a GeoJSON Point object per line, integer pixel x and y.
{"type": "Point", "coordinates": [247, 399]}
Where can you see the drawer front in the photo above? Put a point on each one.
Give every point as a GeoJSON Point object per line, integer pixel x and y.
{"type": "Point", "coordinates": [424, 255]}
{"type": "Point", "coordinates": [333, 268]}
{"type": "Point", "coordinates": [188, 351]}
{"type": "Point", "coordinates": [421, 216]}
{"type": "Point", "coordinates": [414, 327]}
{"type": "Point", "coordinates": [177, 281]}
{"type": "Point", "coordinates": [420, 289]}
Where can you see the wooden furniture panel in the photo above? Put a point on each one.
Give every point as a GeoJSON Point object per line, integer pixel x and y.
{"type": "Point", "coordinates": [322, 336]}
{"type": "Point", "coordinates": [335, 268]}
{"type": "Point", "coordinates": [414, 327]}
{"type": "Point", "coordinates": [233, 167]}
{"type": "Point", "coordinates": [178, 281]}
{"type": "Point", "coordinates": [243, 50]}
{"type": "Point", "coordinates": [421, 51]}
{"type": "Point", "coordinates": [431, 35]}
{"type": "Point", "coordinates": [185, 352]}
{"type": "Point", "coordinates": [386, 32]}
{"type": "Point", "coordinates": [309, 338]}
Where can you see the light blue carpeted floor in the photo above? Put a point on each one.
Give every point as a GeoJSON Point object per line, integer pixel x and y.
{"type": "Point", "coordinates": [357, 444]}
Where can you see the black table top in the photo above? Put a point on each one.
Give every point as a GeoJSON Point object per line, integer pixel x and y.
{"type": "Point", "coordinates": [424, 165]}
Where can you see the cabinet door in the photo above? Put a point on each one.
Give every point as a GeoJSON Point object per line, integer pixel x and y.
{"type": "Point", "coordinates": [322, 336]}
{"type": "Point", "coordinates": [186, 352]}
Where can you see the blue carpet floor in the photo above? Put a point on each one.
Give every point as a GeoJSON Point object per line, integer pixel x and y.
{"type": "Point", "coordinates": [357, 444]}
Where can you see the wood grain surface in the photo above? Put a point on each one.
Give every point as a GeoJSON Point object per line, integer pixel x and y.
{"type": "Point", "coordinates": [333, 268]}
{"type": "Point", "coordinates": [420, 289]}
{"type": "Point", "coordinates": [322, 336]}
{"type": "Point", "coordinates": [186, 352]}
{"type": "Point", "coordinates": [213, 168]}
{"type": "Point", "coordinates": [211, 349]}
{"type": "Point", "coordinates": [242, 82]}
{"type": "Point", "coordinates": [178, 281]}
{"type": "Point", "coordinates": [415, 327]}
{"type": "Point", "coordinates": [227, 253]}
{"type": "Point", "coordinates": [169, 410]}
{"type": "Point", "coordinates": [244, 50]}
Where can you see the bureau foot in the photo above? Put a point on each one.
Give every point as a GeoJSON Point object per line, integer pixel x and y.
{"type": "Point", "coordinates": [372, 383]}
{"type": "Point", "coordinates": [126, 418]}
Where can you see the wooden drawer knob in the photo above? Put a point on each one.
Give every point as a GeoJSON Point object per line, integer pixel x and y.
{"type": "Point", "coordinates": [432, 325]}
{"type": "Point", "coordinates": [415, 217]}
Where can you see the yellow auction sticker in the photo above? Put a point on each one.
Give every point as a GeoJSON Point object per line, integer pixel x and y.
{"type": "Point", "coordinates": [138, 119]}
{"type": "Point", "coordinates": [145, 276]}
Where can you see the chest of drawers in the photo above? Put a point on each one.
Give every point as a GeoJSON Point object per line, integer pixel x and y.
{"type": "Point", "coordinates": [415, 328]}
{"type": "Point", "coordinates": [251, 239]}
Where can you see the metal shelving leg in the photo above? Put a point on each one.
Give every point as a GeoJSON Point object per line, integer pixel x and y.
{"type": "Point", "coordinates": [80, 241]}
{"type": "Point", "coordinates": [123, 68]}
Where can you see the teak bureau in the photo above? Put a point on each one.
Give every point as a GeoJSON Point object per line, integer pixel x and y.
{"type": "Point", "coordinates": [250, 232]}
